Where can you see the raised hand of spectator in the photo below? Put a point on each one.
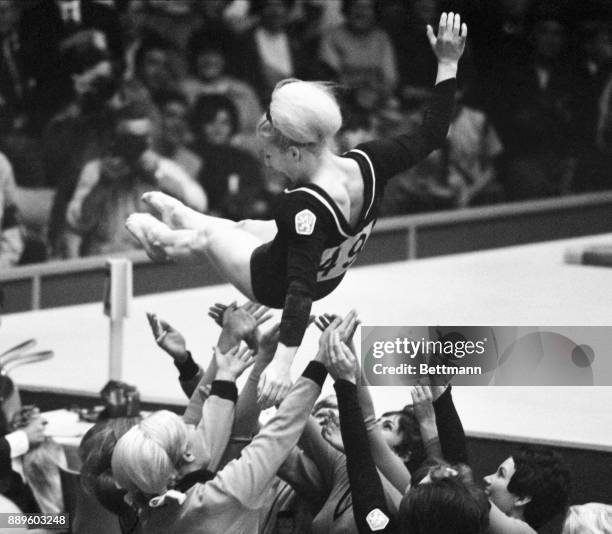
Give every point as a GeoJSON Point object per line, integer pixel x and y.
{"type": "Point", "coordinates": [341, 362]}
{"type": "Point", "coordinates": [346, 327]}
{"type": "Point", "coordinates": [323, 321]}
{"type": "Point", "coordinates": [449, 44]}
{"type": "Point", "coordinates": [331, 433]}
{"type": "Point", "coordinates": [217, 311]}
{"type": "Point", "coordinates": [231, 364]}
{"type": "Point", "coordinates": [35, 430]}
{"type": "Point", "coordinates": [241, 323]}
{"type": "Point", "coordinates": [326, 332]}
{"type": "Point", "coordinates": [168, 338]}
{"type": "Point", "coordinates": [422, 404]}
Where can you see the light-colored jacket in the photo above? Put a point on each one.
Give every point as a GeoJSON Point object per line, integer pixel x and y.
{"type": "Point", "coordinates": [231, 501]}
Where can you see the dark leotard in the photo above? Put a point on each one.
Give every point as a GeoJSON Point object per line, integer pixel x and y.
{"type": "Point", "coordinates": [315, 245]}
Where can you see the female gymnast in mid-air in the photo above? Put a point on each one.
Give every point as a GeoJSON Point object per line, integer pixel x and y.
{"type": "Point", "coordinates": [324, 218]}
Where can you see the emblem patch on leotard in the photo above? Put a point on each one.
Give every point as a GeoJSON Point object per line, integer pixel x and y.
{"type": "Point", "coordinates": [305, 222]}
{"type": "Point", "coordinates": [377, 520]}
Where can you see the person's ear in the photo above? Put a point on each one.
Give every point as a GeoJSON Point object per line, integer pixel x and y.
{"type": "Point", "coordinates": [521, 502]}
{"type": "Point", "coordinates": [188, 457]}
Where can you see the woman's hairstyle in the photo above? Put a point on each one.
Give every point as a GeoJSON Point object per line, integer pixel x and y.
{"type": "Point", "coordinates": [96, 450]}
{"type": "Point", "coordinates": [590, 518]}
{"type": "Point", "coordinates": [411, 447]}
{"type": "Point", "coordinates": [146, 457]}
{"type": "Point", "coordinates": [542, 475]}
{"type": "Point", "coordinates": [449, 504]}
{"type": "Point", "coordinates": [301, 114]}
{"type": "Point", "coordinates": [206, 108]}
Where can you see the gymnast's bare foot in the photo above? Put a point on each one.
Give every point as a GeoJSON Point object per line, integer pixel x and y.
{"type": "Point", "coordinates": [172, 211]}
{"type": "Point", "coordinates": [161, 242]}
{"type": "Point", "coordinates": [143, 227]}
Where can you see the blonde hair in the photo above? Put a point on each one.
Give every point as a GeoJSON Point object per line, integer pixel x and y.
{"type": "Point", "coordinates": [147, 456]}
{"type": "Point", "coordinates": [590, 518]}
{"type": "Point", "coordinates": [301, 114]}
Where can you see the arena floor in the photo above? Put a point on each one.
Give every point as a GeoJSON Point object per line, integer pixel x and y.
{"type": "Point", "coordinates": [526, 285]}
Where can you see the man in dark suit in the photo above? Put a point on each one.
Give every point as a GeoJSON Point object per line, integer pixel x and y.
{"type": "Point", "coordinates": [43, 30]}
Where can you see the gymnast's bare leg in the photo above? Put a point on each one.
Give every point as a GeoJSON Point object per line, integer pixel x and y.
{"type": "Point", "coordinates": [183, 233]}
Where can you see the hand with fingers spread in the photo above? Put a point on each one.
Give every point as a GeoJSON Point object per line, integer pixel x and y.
{"type": "Point", "coordinates": [449, 44]}
{"type": "Point", "coordinates": [346, 327]}
{"type": "Point", "coordinates": [422, 404]}
{"type": "Point", "coordinates": [232, 363]}
{"type": "Point", "coordinates": [331, 433]}
{"type": "Point", "coordinates": [341, 361]}
{"type": "Point", "coordinates": [241, 323]}
{"type": "Point", "coordinates": [327, 325]}
{"type": "Point", "coordinates": [217, 311]}
{"type": "Point", "coordinates": [168, 338]}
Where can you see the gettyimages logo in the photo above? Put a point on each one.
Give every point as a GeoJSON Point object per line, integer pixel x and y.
{"type": "Point", "coordinates": [485, 355]}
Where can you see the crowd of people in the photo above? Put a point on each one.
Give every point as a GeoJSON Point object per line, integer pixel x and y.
{"type": "Point", "coordinates": [102, 100]}
{"type": "Point", "coordinates": [325, 465]}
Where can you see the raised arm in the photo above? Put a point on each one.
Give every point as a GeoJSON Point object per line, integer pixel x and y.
{"type": "Point", "coordinates": [369, 504]}
{"type": "Point", "coordinates": [237, 325]}
{"type": "Point", "coordinates": [393, 155]}
{"type": "Point", "coordinates": [246, 421]}
{"type": "Point", "coordinates": [450, 429]}
{"type": "Point", "coordinates": [247, 478]}
{"type": "Point", "coordinates": [218, 410]}
{"type": "Point", "coordinates": [306, 225]}
{"type": "Point", "coordinates": [389, 463]}
{"type": "Point", "coordinates": [425, 414]}
{"type": "Point", "coordinates": [171, 341]}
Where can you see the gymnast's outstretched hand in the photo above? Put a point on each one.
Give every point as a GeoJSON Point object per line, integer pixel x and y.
{"type": "Point", "coordinates": [275, 381]}
{"type": "Point", "coordinates": [449, 44]}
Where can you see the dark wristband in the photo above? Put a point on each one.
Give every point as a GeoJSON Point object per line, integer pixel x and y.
{"type": "Point", "coordinates": [187, 369]}
{"type": "Point", "coordinates": [316, 372]}
{"type": "Point", "coordinates": [224, 389]}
